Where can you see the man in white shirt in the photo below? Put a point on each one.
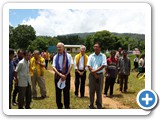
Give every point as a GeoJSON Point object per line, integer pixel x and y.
{"type": "Point", "coordinates": [62, 65]}
{"type": "Point", "coordinates": [24, 82]}
{"type": "Point", "coordinates": [80, 64]}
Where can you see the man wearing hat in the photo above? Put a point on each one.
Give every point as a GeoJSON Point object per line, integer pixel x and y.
{"type": "Point", "coordinates": [62, 65]}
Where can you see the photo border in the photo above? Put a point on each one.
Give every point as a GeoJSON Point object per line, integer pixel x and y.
{"type": "Point", "coordinates": [7, 6]}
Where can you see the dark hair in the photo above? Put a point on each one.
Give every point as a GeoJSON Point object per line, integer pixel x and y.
{"type": "Point", "coordinates": [25, 52]}
{"type": "Point", "coordinates": [98, 44]}
{"type": "Point", "coordinates": [113, 51]}
{"type": "Point", "coordinates": [142, 56]}
{"type": "Point", "coordinates": [124, 51]}
{"type": "Point", "coordinates": [19, 51]}
{"type": "Point", "coordinates": [11, 51]}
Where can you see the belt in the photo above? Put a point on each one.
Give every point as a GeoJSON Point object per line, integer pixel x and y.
{"type": "Point", "coordinates": [99, 73]}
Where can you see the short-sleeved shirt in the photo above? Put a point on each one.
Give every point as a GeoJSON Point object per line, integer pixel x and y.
{"type": "Point", "coordinates": [136, 59]}
{"type": "Point", "coordinates": [23, 73]}
{"type": "Point", "coordinates": [112, 67]}
{"type": "Point", "coordinates": [141, 62]}
{"type": "Point", "coordinates": [70, 60]}
{"type": "Point", "coordinates": [95, 61]}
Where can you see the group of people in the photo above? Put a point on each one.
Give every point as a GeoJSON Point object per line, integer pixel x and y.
{"type": "Point", "coordinates": [25, 72]}
{"type": "Point", "coordinates": [30, 72]}
{"type": "Point", "coordinates": [97, 64]}
{"type": "Point", "coordinates": [48, 57]}
{"type": "Point", "coordinates": [139, 64]}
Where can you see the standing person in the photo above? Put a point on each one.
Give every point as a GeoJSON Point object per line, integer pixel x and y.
{"type": "Point", "coordinates": [51, 58]}
{"type": "Point", "coordinates": [136, 63]}
{"type": "Point", "coordinates": [62, 65]}
{"type": "Point", "coordinates": [117, 56]}
{"type": "Point", "coordinates": [124, 67]}
{"type": "Point", "coordinates": [24, 82]}
{"type": "Point", "coordinates": [80, 64]}
{"type": "Point", "coordinates": [111, 74]}
{"type": "Point", "coordinates": [119, 53]}
{"type": "Point", "coordinates": [42, 53]}
{"type": "Point", "coordinates": [96, 64]}
{"type": "Point", "coordinates": [37, 64]}
{"type": "Point", "coordinates": [15, 62]}
{"type": "Point", "coordinates": [141, 67]}
{"type": "Point", "coordinates": [11, 74]}
{"type": "Point", "coordinates": [47, 58]}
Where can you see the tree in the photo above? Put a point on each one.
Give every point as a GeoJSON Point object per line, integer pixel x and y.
{"type": "Point", "coordinates": [42, 43]}
{"type": "Point", "coordinates": [38, 44]}
{"type": "Point", "coordinates": [105, 38]}
{"type": "Point", "coordinates": [23, 36]}
{"type": "Point", "coordinates": [88, 42]}
{"type": "Point", "coordinates": [12, 42]}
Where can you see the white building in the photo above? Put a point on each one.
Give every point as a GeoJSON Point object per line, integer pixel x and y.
{"type": "Point", "coordinates": [72, 48]}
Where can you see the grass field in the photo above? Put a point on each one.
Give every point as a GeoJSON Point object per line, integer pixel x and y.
{"type": "Point", "coordinates": [128, 99]}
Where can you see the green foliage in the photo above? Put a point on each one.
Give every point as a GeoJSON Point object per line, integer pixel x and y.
{"type": "Point", "coordinates": [88, 41]}
{"type": "Point", "coordinates": [42, 43]}
{"type": "Point", "coordinates": [113, 41]}
{"type": "Point", "coordinates": [22, 36]}
{"type": "Point", "coordinates": [12, 42]}
{"type": "Point", "coordinates": [70, 39]}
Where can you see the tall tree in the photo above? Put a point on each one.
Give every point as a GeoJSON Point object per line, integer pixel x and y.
{"type": "Point", "coordinates": [24, 35]}
{"type": "Point", "coordinates": [105, 38]}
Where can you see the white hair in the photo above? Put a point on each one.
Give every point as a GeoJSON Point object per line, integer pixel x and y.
{"type": "Point", "coordinates": [82, 46]}
{"type": "Point", "coordinates": [36, 52]}
{"type": "Point", "coordinates": [60, 43]}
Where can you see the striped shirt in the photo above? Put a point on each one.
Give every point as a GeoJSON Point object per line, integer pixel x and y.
{"type": "Point", "coordinates": [95, 61]}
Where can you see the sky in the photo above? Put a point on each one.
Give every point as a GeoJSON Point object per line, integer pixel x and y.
{"type": "Point", "coordinates": [53, 22]}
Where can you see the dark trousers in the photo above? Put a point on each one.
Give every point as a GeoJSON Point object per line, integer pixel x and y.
{"type": "Point", "coordinates": [15, 91]}
{"type": "Point", "coordinates": [123, 80]}
{"type": "Point", "coordinates": [66, 93]}
{"type": "Point", "coordinates": [10, 92]}
{"type": "Point", "coordinates": [95, 86]}
{"type": "Point", "coordinates": [24, 93]}
{"type": "Point", "coordinates": [80, 83]}
{"type": "Point", "coordinates": [46, 64]}
{"type": "Point", "coordinates": [109, 84]}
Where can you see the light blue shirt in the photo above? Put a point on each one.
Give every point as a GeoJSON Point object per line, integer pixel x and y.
{"type": "Point", "coordinates": [70, 60]}
{"type": "Point", "coordinates": [95, 61]}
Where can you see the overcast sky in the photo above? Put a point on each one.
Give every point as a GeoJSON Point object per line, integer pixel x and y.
{"type": "Point", "coordinates": [53, 22]}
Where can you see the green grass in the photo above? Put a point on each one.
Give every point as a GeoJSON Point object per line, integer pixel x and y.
{"type": "Point", "coordinates": [129, 98]}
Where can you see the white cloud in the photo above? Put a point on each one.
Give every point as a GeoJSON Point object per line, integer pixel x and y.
{"type": "Point", "coordinates": [54, 22]}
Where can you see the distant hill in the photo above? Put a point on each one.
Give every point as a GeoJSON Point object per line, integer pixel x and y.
{"type": "Point", "coordinates": [131, 35]}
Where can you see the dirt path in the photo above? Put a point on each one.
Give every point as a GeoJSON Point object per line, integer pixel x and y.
{"type": "Point", "coordinates": [107, 102]}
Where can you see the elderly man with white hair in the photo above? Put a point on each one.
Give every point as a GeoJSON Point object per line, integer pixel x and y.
{"type": "Point", "coordinates": [62, 65]}
{"type": "Point", "coordinates": [80, 64]}
{"type": "Point", "coordinates": [37, 65]}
